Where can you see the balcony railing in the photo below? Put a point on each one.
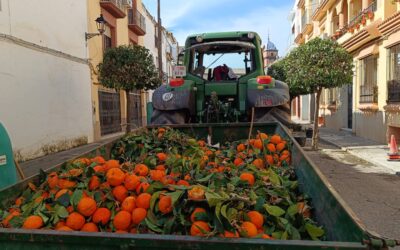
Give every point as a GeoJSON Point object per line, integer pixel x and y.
{"type": "Point", "coordinates": [115, 7]}
{"type": "Point", "coordinates": [393, 91]}
{"type": "Point", "coordinates": [136, 22]}
{"type": "Point", "coordinates": [369, 93]}
{"type": "Point", "coordinates": [358, 17]}
{"type": "Point", "coordinates": [306, 25]}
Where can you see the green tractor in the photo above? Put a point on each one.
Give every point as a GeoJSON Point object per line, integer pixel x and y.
{"type": "Point", "coordinates": [220, 80]}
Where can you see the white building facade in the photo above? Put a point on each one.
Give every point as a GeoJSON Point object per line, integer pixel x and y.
{"type": "Point", "coordinates": [44, 76]}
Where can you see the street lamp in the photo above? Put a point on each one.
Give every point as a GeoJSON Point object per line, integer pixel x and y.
{"type": "Point", "coordinates": [100, 23]}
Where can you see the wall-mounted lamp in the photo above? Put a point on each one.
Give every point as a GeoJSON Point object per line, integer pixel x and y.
{"type": "Point", "coordinates": [100, 23]}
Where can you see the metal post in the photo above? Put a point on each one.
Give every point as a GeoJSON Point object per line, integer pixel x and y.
{"type": "Point", "coordinates": [159, 43]}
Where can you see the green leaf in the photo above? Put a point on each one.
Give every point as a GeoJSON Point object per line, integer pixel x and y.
{"type": "Point", "coordinates": [274, 178]}
{"type": "Point", "coordinates": [213, 198]}
{"type": "Point", "coordinates": [175, 196]}
{"type": "Point", "coordinates": [152, 227]}
{"type": "Point", "coordinates": [314, 231]}
{"type": "Point", "coordinates": [76, 197]}
{"type": "Point", "coordinates": [274, 210]}
{"type": "Point", "coordinates": [155, 186]}
{"type": "Point", "coordinates": [295, 234]}
{"type": "Point", "coordinates": [153, 199]}
{"type": "Point", "coordinates": [61, 211]}
{"type": "Point", "coordinates": [218, 211]}
{"type": "Point", "coordinates": [292, 210]}
{"type": "Point", "coordinates": [44, 218]}
{"type": "Point", "coordinates": [16, 221]}
{"type": "Point", "coordinates": [285, 235]}
{"type": "Point", "coordinates": [232, 214]}
{"type": "Point", "coordinates": [224, 209]}
{"type": "Point", "coordinates": [205, 179]}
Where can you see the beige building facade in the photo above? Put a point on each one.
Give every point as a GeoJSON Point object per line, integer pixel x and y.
{"type": "Point", "coordinates": [370, 31]}
{"type": "Point", "coordinates": [125, 25]}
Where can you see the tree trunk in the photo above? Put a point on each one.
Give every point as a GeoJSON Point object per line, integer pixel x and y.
{"type": "Point", "coordinates": [316, 115]}
{"type": "Point", "coordinates": [128, 112]}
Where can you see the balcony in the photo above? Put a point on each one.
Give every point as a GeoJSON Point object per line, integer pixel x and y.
{"type": "Point", "coordinates": [393, 91]}
{"type": "Point", "coordinates": [114, 7]}
{"type": "Point", "coordinates": [306, 23]}
{"type": "Point", "coordinates": [136, 22]}
{"type": "Point", "coordinates": [319, 12]}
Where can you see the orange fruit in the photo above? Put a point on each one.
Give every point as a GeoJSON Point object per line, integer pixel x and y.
{"type": "Point", "coordinates": [165, 204]}
{"type": "Point", "coordinates": [275, 139]}
{"type": "Point", "coordinates": [201, 143]}
{"type": "Point", "coordinates": [160, 167]}
{"type": "Point", "coordinates": [52, 180]}
{"type": "Point", "coordinates": [6, 221]}
{"type": "Point", "coordinates": [198, 228]}
{"type": "Point", "coordinates": [271, 148]}
{"type": "Point", "coordinates": [161, 156]}
{"type": "Point", "coordinates": [115, 176]}
{"type": "Point", "coordinates": [143, 200]}
{"type": "Point", "coordinates": [266, 236]}
{"type": "Point", "coordinates": [120, 193]}
{"type": "Point", "coordinates": [129, 204]}
{"type": "Point", "coordinates": [248, 177]}
{"type": "Point", "coordinates": [60, 224]}
{"type": "Point", "coordinates": [94, 183]}
{"type": "Point", "coordinates": [131, 182]}
{"type": "Point", "coordinates": [138, 215]}
{"type": "Point", "coordinates": [262, 136]}
{"type": "Point", "coordinates": [157, 175]}
{"type": "Point", "coordinates": [241, 147]}
{"type": "Point", "coordinates": [121, 232]}
{"type": "Point", "coordinates": [249, 229]}
{"type": "Point", "coordinates": [269, 159]}
{"type": "Point", "coordinates": [87, 206]}
{"type": "Point", "coordinates": [101, 215]}
{"type": "Point", "coordinates": [256, 218]}
{"type": "Point", "coordinates": [195, 211]}
{"type": "Point", "coordinates": [111, 164]}
{"type": "Point", "coordinates": [64, 228]}
{"type": "Point", "coordinates": [19, 201]}
{"type": "Point", "coordinates": [280, 146]}
{"type": "Point", "coordinates": [228, 234]}
{"type": "Point", "coordinates": [122, 220]}
{"type": "Point", "coordinates": [258, 144]}
{"type": "Point", "coordinates": [75, 221]}
{"type": "Point", "coordinates": [238, 162]}
{"type": "Point", "coordinates": [285, 152]}
{"type": "Point", "coordinates": [259, 163]}
{"type": "Point", "coordinates": [99, 160]}
{"type": "Point", "coordinates": [183, 183]}
{"type": "Point", "coordinates": [196, 193]}
{"type": "Point", "coordinates": [90, 227]}
{"type": "Point", "coordinates": [142, 187]}
{"type": "Point", "coordinates": [141, 169]}
{"type": "Point", "coordinates": [70, 209]}
{"type": "Point", "coordinates": [64, 183]}
{"type": "Point", "coordinates": [99, 169]}
{"type": "Point", "coordinates": [168, 180]}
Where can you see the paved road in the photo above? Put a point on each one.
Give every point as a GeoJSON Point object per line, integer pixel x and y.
{"type": "Point", "coordinates": [374, 197]}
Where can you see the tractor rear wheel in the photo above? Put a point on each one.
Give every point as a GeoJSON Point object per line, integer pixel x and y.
{"type": "Point", "coordinates": [168, 117]}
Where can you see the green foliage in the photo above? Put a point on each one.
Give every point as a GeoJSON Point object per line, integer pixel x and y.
{"type": "Point", "coordinates": [128, 68]}
{"type": "Point", "coordinates": [320, 63]}
{"type": "Point", "coordinates": [277, 70]}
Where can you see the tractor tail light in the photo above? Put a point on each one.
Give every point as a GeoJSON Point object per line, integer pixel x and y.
{"type": "Point", "coordinates": [264, 80]}
{"type": "Point", "coordinates": [176, 82]}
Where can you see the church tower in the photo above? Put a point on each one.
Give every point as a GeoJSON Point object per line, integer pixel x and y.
{"type": "Point", "coordinates": [270, 53]}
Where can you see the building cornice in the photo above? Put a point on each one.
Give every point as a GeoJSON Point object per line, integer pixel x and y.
{"type": "Point", "coordinates": [362, 37]}
{"type": "Point", "coordinates": [390, 25]}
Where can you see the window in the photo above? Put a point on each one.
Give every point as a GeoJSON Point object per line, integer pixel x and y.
{"type": "Point", "coordinates": [107, 38]}
{"type": "Point", "coordinates": [369, 76]}
{"type": "Point", "coordinates": [394, 74]}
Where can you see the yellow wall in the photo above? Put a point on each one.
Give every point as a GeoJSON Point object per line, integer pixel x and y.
{"type": "Point", "coordinates": [95, 48]}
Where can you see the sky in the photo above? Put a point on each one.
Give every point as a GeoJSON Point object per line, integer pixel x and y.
{"type": "Point", "coordinates": [185, 17]}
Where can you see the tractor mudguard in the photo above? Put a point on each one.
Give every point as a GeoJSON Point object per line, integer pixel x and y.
{"type": "Point", "coordinates": [167, 98]}
{"type": "Point", "coordinates": [259, 96]}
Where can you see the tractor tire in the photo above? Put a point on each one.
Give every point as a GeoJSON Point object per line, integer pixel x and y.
{"type": "Point", "coordinates": [163, 117]}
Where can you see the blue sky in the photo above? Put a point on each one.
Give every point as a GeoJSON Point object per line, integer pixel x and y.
{"type": "Point", "coordinates": [184, 17]}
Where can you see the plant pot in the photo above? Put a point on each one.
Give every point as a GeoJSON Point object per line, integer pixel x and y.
{"type": "Point", "coordinates": [363, 21]}
{"type": "Point", "coordinates": [371, 15]}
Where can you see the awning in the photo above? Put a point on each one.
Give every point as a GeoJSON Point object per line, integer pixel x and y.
{"type": "Point", "coordinates": [370, 50]}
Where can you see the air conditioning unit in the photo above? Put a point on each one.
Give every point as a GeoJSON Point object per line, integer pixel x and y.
{"type": "Point", "coordinates": [127, 3]}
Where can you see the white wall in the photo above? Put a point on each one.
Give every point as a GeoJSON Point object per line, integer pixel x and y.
{"type": "Point", "coordinates": [45, 95]}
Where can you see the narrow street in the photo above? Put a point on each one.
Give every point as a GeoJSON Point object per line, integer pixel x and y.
{"type": "Point", "coordinates": [372, 195]}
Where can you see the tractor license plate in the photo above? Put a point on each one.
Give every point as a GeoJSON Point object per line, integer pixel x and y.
{"type": "Point", "coordinates": [264, 101]}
